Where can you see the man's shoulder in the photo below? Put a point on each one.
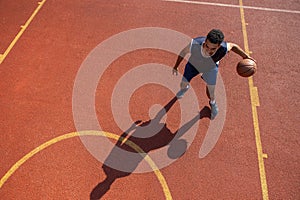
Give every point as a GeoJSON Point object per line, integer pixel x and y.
{"type": "Point", "coordinates": [198, 40]}
{"type": "Point", "coordinates": [223, 47]}
{"type": "Point", "coordinates": [224, 44]}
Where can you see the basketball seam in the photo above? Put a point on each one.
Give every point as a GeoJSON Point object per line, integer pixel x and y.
{"type": "Point", "coordinates": [245, 72]}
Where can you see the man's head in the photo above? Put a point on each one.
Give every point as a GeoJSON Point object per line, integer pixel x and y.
{"type": "Point", "coordinates": [215, 36]}
{"type": "Point", "coordinates": [213, 41]}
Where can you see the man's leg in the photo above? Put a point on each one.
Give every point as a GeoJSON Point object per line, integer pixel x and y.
{"type": "Point", "coordinates": [189, 73]}
{"type": "Point", "coordinates": [184, 86]}
{"type": "Point", "coordinates": [210, 91]}
{"type": "Point", "coordinates": [211, 79]}
{"type": "Point", "coordinates": [212, 101]}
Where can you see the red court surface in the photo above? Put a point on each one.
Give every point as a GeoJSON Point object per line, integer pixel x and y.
{"type": "Point", "coordinates": [256, 156]}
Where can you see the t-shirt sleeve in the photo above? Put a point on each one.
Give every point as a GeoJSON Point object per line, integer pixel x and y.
{"type": "Point", "coordinates": [227, 47]}
{"type": "Point", "coordinates": [192, 43]}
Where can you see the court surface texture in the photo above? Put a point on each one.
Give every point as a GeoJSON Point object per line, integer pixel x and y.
{"type": "Point", "coordinates": [88, 106]}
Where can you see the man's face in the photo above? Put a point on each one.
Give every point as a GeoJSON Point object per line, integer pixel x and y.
{"type": "Point", "coordinates": [210, 48]}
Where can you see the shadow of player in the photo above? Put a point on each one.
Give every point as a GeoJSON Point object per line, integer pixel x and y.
{"type": "Point", "coordinates": [149, 135]}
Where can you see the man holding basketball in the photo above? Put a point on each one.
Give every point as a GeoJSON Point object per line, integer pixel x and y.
{"type": "Point", "coordinates": [205, 54]}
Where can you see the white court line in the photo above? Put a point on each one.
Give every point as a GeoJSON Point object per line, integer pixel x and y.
{"type": "Point", "coordinates": [235, 6]}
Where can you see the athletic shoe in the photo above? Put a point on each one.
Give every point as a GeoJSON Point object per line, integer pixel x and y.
{"type": "Point", "coordinates": [214, 110]}
{"type": "Point", "coordinates": [181, 92]}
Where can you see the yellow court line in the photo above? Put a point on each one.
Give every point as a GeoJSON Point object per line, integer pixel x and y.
{"type": "Point", "coordinates": [23, 28]}
{"type": "Point", "coordinates": [254, 104]}
{"type": "Point", "coordinates": [155, 169]}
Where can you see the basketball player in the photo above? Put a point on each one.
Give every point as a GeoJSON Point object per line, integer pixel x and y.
{"type": "Point", "coordinates": [205, 54]}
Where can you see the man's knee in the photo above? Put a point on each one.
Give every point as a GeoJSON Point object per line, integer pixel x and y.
{"type": "Point", "coordinates": [184, 85]}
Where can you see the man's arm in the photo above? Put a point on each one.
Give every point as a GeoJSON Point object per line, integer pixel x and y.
{"type": "Point", "coordinates": [180, 57]}
{"type": "Point", "coordinates": [238, 50]}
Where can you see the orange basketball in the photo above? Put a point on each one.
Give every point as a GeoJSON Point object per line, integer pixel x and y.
{"type": "Point", "coordinates": [246, 67]}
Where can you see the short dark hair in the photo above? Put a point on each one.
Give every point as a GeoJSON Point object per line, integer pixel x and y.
{"type": "Point", "coordinates": [215, 36]}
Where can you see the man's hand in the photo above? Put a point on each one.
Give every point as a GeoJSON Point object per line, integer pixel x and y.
{"type": "Point", "coordinates": [175, 71]}
{"type": "Point", "coordinates": [251, 59]}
